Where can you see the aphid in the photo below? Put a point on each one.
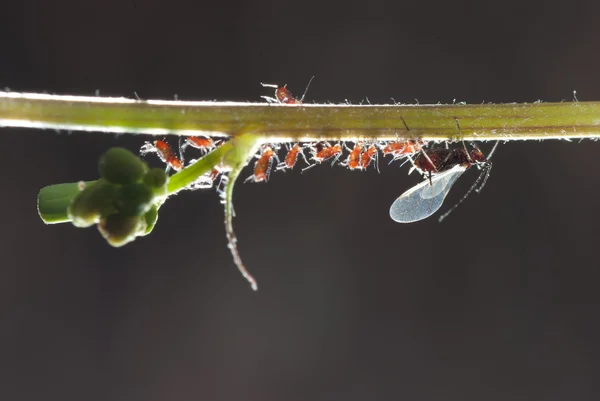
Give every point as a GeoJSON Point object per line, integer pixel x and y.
{"type": "Point", "coordinates": [200, 142]}
{"type": "Point", "coordinates": [283, 94]}
{"type": "Point", "coordinates": [262, 167]}
{"type": "Point", "coordinates": [164, 152]}
{"type": "Point", "coordinates": [367, 157]}
{"type": "Point", "coordinates": [402, 148]}
{"type": "Point", "coordinates": [292, 157]}
{"type": "Point", "coordinates": [354, 158]}
{"type": "Point", "coordinates": [327, 152]}
{"type": "Point", "coordinates": [323, 151]}
{"type": "Point", "coordinates": [443, 167]}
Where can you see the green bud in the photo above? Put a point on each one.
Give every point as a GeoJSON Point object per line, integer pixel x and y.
{"type": "Point", "coordinates": [157, 179]}
{"type": "Point", "coordinates": [97, 199]}
{"type": "Point", "coordinates": [119, 230]}
{"type": "Point", "coordinates": [151, 217]}
{"type": "Point", "coordinates": [120, 166]}
{"type": "Point", "coordinates": [135, 199]}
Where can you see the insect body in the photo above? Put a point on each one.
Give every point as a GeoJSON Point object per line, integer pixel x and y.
{"type": "Point", "coordinates": [283, 94]}
{"type": "Point", "coordinates": [443, 166]}
{"type": "Point", "coordinates": [164, 152]}
{"type": "Point", "coordinates": [200, 142]}
{"type": "Point", "coordinates": [367, 157]}
{"type": "Point", "coordinates": [354, 157]}
{"type": "Point", "coordinates": [402, 148]}
{"type": "Point", "coordinates": [262, 167]}
{"type": "Point", "coordinates": [291, 157]}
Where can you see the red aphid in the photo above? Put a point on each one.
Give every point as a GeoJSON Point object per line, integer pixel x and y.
{"type": "Point", "coordinates": [262, 167]}
{"type": "Point", "coordinates": [326, 151]}
{"type": "Point", "coordinates": [200, 142]}
{"type": "Point", "coordinates": [354, 157]}
{"type": "Point", "coordinates": [283, 94]}
{"type": "Point", "coordinates": [402, 148]}
{"type": "Point", "coordinates": [291, 157]}
{"type": "Point", "coordinates": [367, 157]}
{"type": "Point", "coordinates": [164, 152]}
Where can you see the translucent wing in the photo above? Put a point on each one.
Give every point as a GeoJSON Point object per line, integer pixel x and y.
{"type": "Point", "coordinates": [424, 199]}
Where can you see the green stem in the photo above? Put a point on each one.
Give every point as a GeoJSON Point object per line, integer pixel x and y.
{"type": "Point", "coordinates": [306, 122]}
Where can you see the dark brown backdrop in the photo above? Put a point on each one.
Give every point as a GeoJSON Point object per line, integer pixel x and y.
{"type": "Point", "coordinates": [499, 302]}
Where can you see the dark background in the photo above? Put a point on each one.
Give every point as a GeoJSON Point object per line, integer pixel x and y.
{"type": "Point", "coordinates": [498, 303]}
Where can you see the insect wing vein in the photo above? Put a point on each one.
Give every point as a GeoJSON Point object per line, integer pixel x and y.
{"type": "Point", "coordinates": [425, 198]}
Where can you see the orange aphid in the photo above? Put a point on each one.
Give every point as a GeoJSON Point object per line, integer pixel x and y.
{"type": "Point", "coordinates": [291, 157]}
{"type": "Point", "coordinates": [164, 152]}
{"type": "Point", "coordinates": [367, 157]}
{"type": "Point", "coordinates": [262, 167]}
{"type": "Point", "coordinates": [283, 94]}
{"type": "Point", "coordinates": [401, 148]}
{"type": "Point", "coordinates": [355, 156]}
{"type": "Point", "coordinates": [200, 142]}
{"type": "Point", "coordinates": [327, 152]}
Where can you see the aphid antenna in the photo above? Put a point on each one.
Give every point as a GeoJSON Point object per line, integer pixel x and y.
{"type": "Point", "coordinates": [306, 89]}
{"type": "Point", "coordinates": [376, 161]}
{"type": "Point", "coordinates": [182, 145]}
{"type": "Point", "coordinates": [475, 184]}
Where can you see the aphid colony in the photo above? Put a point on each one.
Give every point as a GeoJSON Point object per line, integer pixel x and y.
{"type": "Point", "coordinates": [440, 167]}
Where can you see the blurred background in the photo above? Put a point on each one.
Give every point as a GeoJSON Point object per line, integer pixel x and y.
{"type": "Point", "coordinates": [498, 302]}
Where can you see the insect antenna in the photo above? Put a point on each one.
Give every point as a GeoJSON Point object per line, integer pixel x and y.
{"type": "Point", "coordinates": [182, 145]}
{"type": "Point", "coordinates": [306, 89]}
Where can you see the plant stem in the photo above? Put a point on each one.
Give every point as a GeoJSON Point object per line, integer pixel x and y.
{"type": "Point", "coordinates": [305, 122]}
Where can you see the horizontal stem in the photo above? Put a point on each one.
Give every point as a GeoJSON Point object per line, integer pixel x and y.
{"type": "Point", "coordinates": [305, 122]}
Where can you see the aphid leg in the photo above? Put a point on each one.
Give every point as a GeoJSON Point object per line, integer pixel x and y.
{"type": "Point", "coordinates": [272, 160]}
{"type": "Point", "coordinates": [481, 175]}
{"type": "Point", "coordinates": [309, 167]}
{"type": "Point", "coordinates": [486, 170]}
{"type": "Point", "coordinates": [429, 160]}
{"type": "Point", "coordinates": [489, 156]}
{"type": "Point", "coordinates": [270, 99]}
{"type": "Point", "coordinates": [301, 153]}
{"type": "Point", "coordinates": [408, 159]}
{"type": "Point", "coordinates": [182, 145]}
{"type": "Point", "coordinates": [376, 161]}
{"type": "Point", "coordinates": [336, 158]}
